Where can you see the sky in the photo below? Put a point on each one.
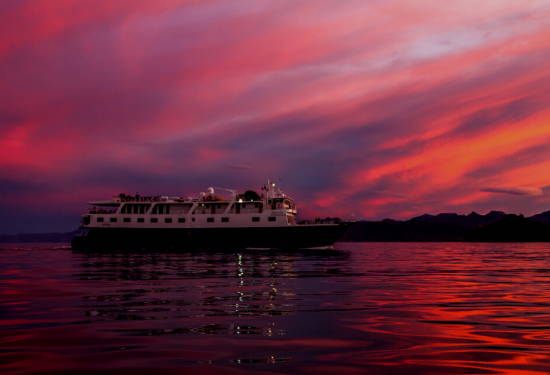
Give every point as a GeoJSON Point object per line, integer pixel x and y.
{"type": "Point", "coordinates": [358, 108]}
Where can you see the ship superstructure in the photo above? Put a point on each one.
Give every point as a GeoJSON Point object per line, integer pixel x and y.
{"type": "Point", "coordinates": [250, 209]}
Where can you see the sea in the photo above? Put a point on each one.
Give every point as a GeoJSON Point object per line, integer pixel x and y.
{"type": "Point", "coordinates": [360, 308]}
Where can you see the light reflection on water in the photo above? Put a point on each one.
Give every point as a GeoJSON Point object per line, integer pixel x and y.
{"type": "Point", "coordinates": [386, 308]}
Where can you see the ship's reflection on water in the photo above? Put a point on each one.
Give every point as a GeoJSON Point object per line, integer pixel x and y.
{"type": "Point", "coordinates": [204, 292]}
{"type": "Point", "coordinates": [376, 308]}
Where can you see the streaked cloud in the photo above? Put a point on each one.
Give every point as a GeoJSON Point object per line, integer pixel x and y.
{"type": "Point", "coordinates": [384, 109]}
{"type": "Point", "coordinates": [522, 190]}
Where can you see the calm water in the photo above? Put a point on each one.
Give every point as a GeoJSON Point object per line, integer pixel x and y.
{"type": "Point", "coordinates": [378, 308]}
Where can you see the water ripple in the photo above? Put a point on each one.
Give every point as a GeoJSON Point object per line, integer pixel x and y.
{"type": "Point", "coordinates": [423, 308]}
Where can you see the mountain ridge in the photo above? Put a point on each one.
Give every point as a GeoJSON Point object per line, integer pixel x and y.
{"type": "Point", "coordinates": [495, 226]}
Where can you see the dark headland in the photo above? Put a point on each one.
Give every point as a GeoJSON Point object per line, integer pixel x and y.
{"type": "Point", "coordinates": [496, 226]}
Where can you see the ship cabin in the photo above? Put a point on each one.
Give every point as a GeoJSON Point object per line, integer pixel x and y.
{"type": "Point", "coordinates": [271, 208]}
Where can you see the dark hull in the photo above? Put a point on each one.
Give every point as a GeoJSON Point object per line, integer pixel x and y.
{"type": "Point", "coordinates": [287, 237]}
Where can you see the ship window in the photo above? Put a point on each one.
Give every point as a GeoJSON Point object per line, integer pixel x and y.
{"type": "Point", "coordinates": [272, 218]}
{"type": "Point", "coordinates": [181, 220]}
{"type": "Point", "coordinates": [154, 220]}
{"type": "Point", "coordinates": [113, 220]}
{"type": "Point", "coordinates": [161, 209]}
{"type": "Point", "coordinates": [127, 220]}
{"type": "Point", "coordinates": [168, 220]}
{"type": "Point", "coordinates": [210, 219]}
{"type": "Point", "coordinates": [100, 220]}
{"type": "Point", "coordinates": [256, 219]}
{"type": "Point", "coordinates": [193, 219]}
{"type": "Point", "coordinates": [140, 220]}
{"type": "Point", "coordinates": [225, 219]}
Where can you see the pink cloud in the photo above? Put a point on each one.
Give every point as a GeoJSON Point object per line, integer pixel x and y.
{"type": "Point", "coordinates": [386, 108]}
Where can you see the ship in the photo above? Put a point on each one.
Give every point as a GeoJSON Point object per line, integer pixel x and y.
{"type": "Point", "coordinates": [264, 220]}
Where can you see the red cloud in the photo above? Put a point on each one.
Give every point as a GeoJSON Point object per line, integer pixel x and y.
{"type": "Point", "coordinates": [386, 108]}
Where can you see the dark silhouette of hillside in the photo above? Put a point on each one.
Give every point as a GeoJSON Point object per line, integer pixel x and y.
{"type": "Point", "coordinates": [473, 220]}
{"type": "Point", "coordinates": [37, 237]}
{"type": "Point", "coordinates": [543, 218]}
{"type": "Point", "coordinates": [495, 226]}
{"type": "Point", "coordinates": [511, 228]}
